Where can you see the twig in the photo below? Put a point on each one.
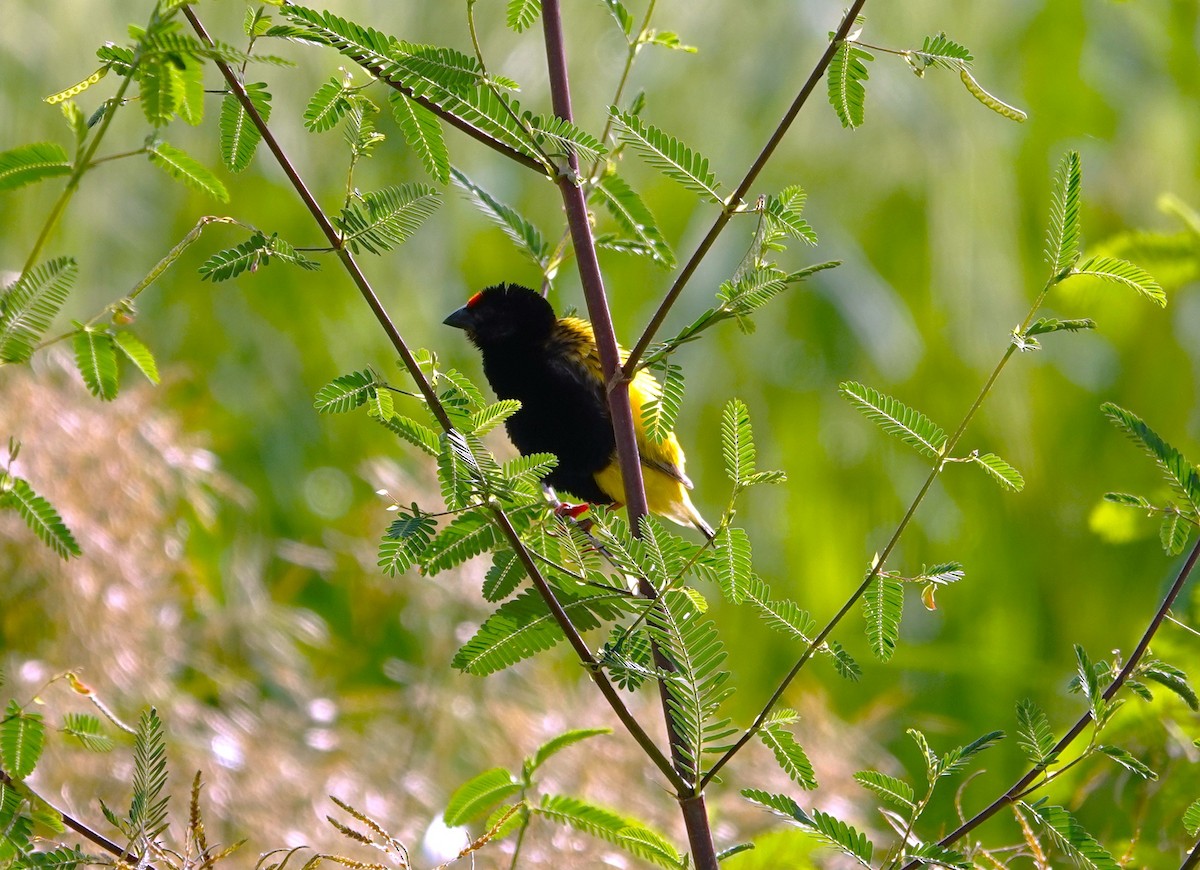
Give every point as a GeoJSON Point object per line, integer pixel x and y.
{"type": "Point", "coordinates": [435, 406]}
{"type": "Point", "coordinates": [80, 828]}
{"type": "Point", "coordinates": [1118, 681]}
{"type": "Point", "coordinates": [685, 274]}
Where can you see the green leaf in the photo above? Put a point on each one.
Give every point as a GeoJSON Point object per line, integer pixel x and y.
{"type": "Point", "coordinates": [138, 354]}
{"type": "Point", "coordinates": [1126, 274]}
{"type": "Point", "coordinates": [181, 166]}
{"type": "Point", "coordinates": [887, 788]}
{"type": "Point", "coordinates": [478, 795]}
{"type": "Point", "coordinates": [843, 837]}
{"type": "Point", "coordinates": [346, 392]}
{"type": "Point", "coordinates": [1174, 533]}
{"type": "Point", "coordinates": [1191, 819]}
{"type": "Point", "coordinates": [257, 251]}
{"type": "Point", "coordinates": [522, 13]}
{"type": "Point", "coordinates": [956, 759]}
{"type": "Point", "coordinates": [1000, 471]}
{"type": "Point", "coordinates": [789, 754]}
{"type": "Point", "coordinates": [565, 138]}
{"type": "Point", "coordinates": [96, 358]}
{"type": "Point", "coordinates": [404, 542]}
{"type": "Point", "coordinates": [1062, 238]}
{"type": "Point", "coordinates": [187, 79]}
{"type": "Point", "coordinates": [1049, 324]}
{"type": "Point", "coordinates": [667, 39]}
{"type": "Point", "coordinates": [29, 305]}
{"type": "Point", "coordinates": [87, 730]}
{"type": "Point", "coordinates": [1183, 476]}
{"type": "Point", "coordinates": [605, 824]}
{"type": "Point", "coordinates": [417, 434]}
{"type": "Point", "coordinates": [624, 204]}
{"type": "Point", "coordinates": [523, 234]}
{"type": "Point", "coordinates": [667, 154]}
{"type": "Point", "coordinates": [661, 407]}
{"type": "Point", "coordinates": [847, 72]}
{"type": "Point", "coordinates": [621, 15]}
{"type": "Point", "coordinates": [22, 736]}
{"type": "Point", "coordinates": [938, 51]}
{"type": "Point", "coordinates": [327, 106]}
{"type": "Point", "coordinates": [464, 538]}
{"type": "Point", "coordinates": [157, 95]}
{"type": "Point", "coordinates": [698, 686]}
{"type": "Point", "coordinates": [895, 418]}
{"type": "Point", "coordinates": [786, 616]}
{"type": "Point", "coordinates": [40, 516]}
{"type": "Point", "coordinates": [30, 163]}
{"type": "Point", "coordinates": [732, 563]}
{"type": "Point", "coordinates": [1127, 761]}
{"type": "Point", "coordinates": [423, 132]}
{"type": "Point", "coordinates": [937, 855]}
{"type": "Point", "coordinates": [1034, 735]}
{"type": "Point", "coordinates": [561, 742]}
{"type": "Point", "coordinates": [1070, 836]}
{"type": "Point", "coordinates": [523, 627]}
{"type": "Point", "coordinates": [503, 576]}
{"type": "Point", "coordinates": [784, 210]}
{"type": "Point", "coordinates": [148, 809]}
{"type": "Point", "coordinates": [239, 135]}
{"type": "Point", "coordinates": [1089, 681]}
{"type": "Point", "coordinates": [737, 442]}
{"type": "Point", "coordinates": [781, 805]}
{"type": "Point", "coordinates": [993, 102]}
{"type": "Point", "coordinates": [927, 754]}
{"type": "Point", "coordinates": [493, 415]}
{"type": "Point", "coordinates": [390, 217]}
{"type": "Point", "coordinates": [1171, 678]}
{"type": "Point", "coordinates": [883, 605]}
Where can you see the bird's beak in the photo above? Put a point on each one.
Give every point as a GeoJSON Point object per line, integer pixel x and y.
{"type": "Point", "coordinates": [460, 319]}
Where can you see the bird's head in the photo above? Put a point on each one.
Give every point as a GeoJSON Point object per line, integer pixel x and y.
{"type": "Point", "coordinates": [504, 314]}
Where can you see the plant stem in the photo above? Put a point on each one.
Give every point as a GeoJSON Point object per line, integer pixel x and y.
{"type": "Point", "coordinates": [691, 799]}
{"type": "Point", "coordinates": [1018, 788]}
{"type": "Point", "coordinates": [435, 406]}
{"type": "Point", "coordinates": [82, 164]}
{"type": "Point", "coordinates": [685, 274]}
{"type": "Point", "coordinates": [1192, 859]}
{"type": "Point", "coordinates": [80, 828]}
{"type": "Point", "coordinates": [937, 468]}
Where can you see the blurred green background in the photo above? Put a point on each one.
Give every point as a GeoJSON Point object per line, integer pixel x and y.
{"type": "Point", "coordinates": [257, 546]}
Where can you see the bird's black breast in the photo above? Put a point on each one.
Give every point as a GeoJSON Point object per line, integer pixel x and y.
{"type": "Point", "coordinates": [563, 411]}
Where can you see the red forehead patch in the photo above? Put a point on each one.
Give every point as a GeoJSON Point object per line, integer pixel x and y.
{"type": "Point", "coordinates": [471, 302]}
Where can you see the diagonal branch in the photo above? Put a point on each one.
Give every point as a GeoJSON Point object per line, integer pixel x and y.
{"type": "Point", "coordinates": [734, 202]}
{"type": "Point", "coordinates": [83, 830]}
{"type": "Point", "coordinates": [1118, 681]}
{"type": "Point", "coordinates": [410, 363]}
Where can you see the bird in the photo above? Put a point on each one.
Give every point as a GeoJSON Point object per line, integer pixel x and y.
{"type": "Point", "coordinates": [551, 365]}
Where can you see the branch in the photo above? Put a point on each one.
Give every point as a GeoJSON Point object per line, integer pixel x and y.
{"type": "Point", "coordinates": [695, 815]}
{"type": "Point", "coordinates": [735, 199]}
{"type": "Point", "coordinates": [435, 407]}
{"type": "Point", "coordinates": [80, 828]}
{"type": "Point", "coordinates": [1135, 657]}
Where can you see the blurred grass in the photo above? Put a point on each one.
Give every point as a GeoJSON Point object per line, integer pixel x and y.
{"type": "Point", "coordinates": [937, 206]}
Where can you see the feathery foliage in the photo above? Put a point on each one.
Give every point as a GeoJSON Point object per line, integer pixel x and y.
{"type": "Point", "coordinates": [39, 515]}
{"type": "Point", "coordinates": [478, 795]}
{"type": "Point", "coordinates": [521, 14]}
{"type": "Point", "coordinates": [96, 359]}
{"type": "Point", "coordinates": [661, 411]}
{"type": "Point", "coordinates": [239, 135]}
{"type": "Point", "coordinates": [87, 730]}
{"type": "Point", "coordinates": [390, 216]}
{"type": "Point", "coordinates": [148, 808]}
{"type": "Point", "coordinates": [22, 738]}
{"type": "Point", "coordinates": [1181, 474]}
{"type": "Point", "coordinates": [605, 824]}
{"type": "Point", "coordinates": [889, 789]}
{"type": "Point", "coordinates": [524, 626]}
{"type": "Point", "coordinates": [999, 470]}
{"type": "Point", "coordinates": [423, 132]}
{"type": "Point", "coordinates": [1070, 836]}
{"type": "Point", "coordinates": [404, 542]}
{"type": "Point", "coordinates": [1034, 735]}
{"type": "Point", "coordinates": [1062, 238]}
{"type": "Point", "coordinates": [696, 686]}
{"type": "Point", "coordinates": [895, 418]}
{"type": "Point", "coordinates": [667, 154]}
{"type": "Point", "coordinates": [30, 163]}
{"type": "Point", "coordinates": [788, 753]}
{"type": "Point", "coordinates": [524, 234]}
{"type": "Point", "coordinates": [248, 256]}
{"type": "Point", "coordinates": [847, 72]}
{"type": "Point", "coordinates": [1118, 271]}
{"type": "Point", "coordinates": [346, 392]}
{"type": "Point", "coordinates": [883, 606]}
{"type": "Point", "coordinates": [30, 304]}
{"type": "Point", "coordinates": [183, 167]}
{"type": "Point", "coordinates": [635, 218]}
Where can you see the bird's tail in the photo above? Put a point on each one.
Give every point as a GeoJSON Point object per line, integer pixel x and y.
{"type": "Point", "coordinates": [697, 520]}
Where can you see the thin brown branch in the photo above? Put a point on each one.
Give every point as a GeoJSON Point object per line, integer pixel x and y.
{"type": "Point", "coordinates": [435, 406]}
{"type": "Point", "coordinates": [685, 274]}
{"type": "Point", "coordinates": [1019, 787]}
{"type": "Point", "coordinates": [95, 837]}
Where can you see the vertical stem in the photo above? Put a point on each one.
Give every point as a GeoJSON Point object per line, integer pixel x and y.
{"type": "Point", "coordinates": [692, 806]}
